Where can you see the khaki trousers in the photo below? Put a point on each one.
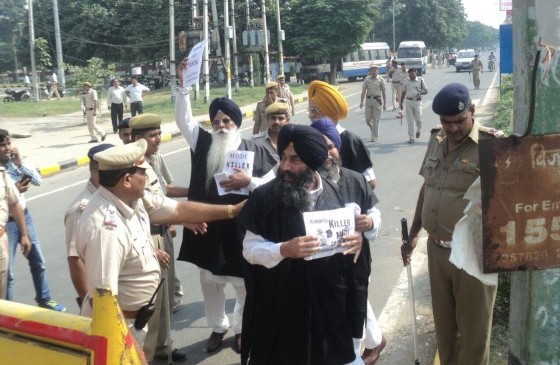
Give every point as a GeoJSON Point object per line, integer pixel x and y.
{"type": "Point", "coordinates": [373, 115]}
{"type": "Point", "coordinates": [413, 109]}
{"type": "Point", "coordinates": [4, 257]}
{"type": "Point", "coordinates": [462, 308]}
{"type": "Point", "coordinates": [476, 78]}
{"type": "Point", "coordinates": [93, 128]}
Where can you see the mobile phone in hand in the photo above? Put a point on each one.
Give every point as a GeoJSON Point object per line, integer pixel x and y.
{"type": "Point", "coordinates": [25, 179]}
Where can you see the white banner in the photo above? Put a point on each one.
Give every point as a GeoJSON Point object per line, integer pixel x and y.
{"type": "Point", "coordinates": [194, 63]}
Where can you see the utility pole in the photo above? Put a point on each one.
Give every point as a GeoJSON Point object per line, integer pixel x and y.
{"type": "Point", "coordinates": [251, 79]}
{"type": "Point", "coordinates": [59, 63]}
{"type": "Point", "coordinates": [194, 15]}
{"type": "Point", "coordinates": [227, 34]}
{"type": "Point", "coordinates": [394, 49]}
{"type": "Point", "coordinates": [265, 35]}
{"type": "Point", "coordinates": [234, 45]}
{"type": "Point", "coordinates": [172, 68]}
{"type": "Point", "coordinates": [280, 39]}
{"type": "Point", "coordinates": [534, 310]}
{"type": "Point", "coordinates": [205, 62]}
{"type": "Point", "coordinates": [16, 74]}
{"type": "Point", "coordinates": [34, 80]}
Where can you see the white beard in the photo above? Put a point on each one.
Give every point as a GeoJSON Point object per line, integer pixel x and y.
{"type": "Point", "coordinates": [222, 141]}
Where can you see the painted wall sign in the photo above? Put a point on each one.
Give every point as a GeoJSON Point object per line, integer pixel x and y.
{"type": "Point", "coordinates": [520, 180]}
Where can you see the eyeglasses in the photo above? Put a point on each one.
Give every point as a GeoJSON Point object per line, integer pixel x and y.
{"type": "Point", "coordinates": [225, 122]}
{"type": "Point", "coordinates": [313, 110]}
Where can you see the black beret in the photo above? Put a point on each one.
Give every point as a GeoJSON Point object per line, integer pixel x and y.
{"type": "Point", "coordinates": [124, 123]}
{"type": "Point", "coordinates": [451, 100]}
{"type": "Point", "coordinates": [228, 107]}
{"type": "Point", "coordinates": [326, 126]}
{"type": "Point", "coordinates": [309, 144]}
{"type": "Point", "coordinates": [100, 147]}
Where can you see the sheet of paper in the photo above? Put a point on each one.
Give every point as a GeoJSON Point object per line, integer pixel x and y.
{"type": "Point", "coordinates": [235, 159]}
{"type": "Point", "coordinates": [192, 75]}
{"type": "Point", "coordinates": [329, 226]}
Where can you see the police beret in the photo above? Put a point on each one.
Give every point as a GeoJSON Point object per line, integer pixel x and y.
{"type": "Point", "coordinates": [123, 157]}
{"type": "Point", "coordinates": [451, 100]}
{"type": "Point", "coordinates": [86, 84]}
{"type": "Point", "coordinates": [328, 99]}
{"type": "Point", "coordinates": [124, 123]}
{"type": "Point", "coordinates": [281, 77]}
{"type": "Point", "coordinates": [145, 121]}
{"type": "Point", "coordinates": [309, 144]}
{"type": "Point", "coordinates": [277, 108]}
{"type": "Point", "coordinates": [100, 147]}
{"type": "Point", "coordinates": [271, 85]}
{"type": "Point", "coordinates": [228, 107]}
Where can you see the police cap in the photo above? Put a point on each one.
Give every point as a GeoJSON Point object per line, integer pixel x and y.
{"type": "Point", "coordinates": [451, 100]}
{"type": "Point", "coordinates": [100, 147]}
{"type": "Point", "coordinates": [145, 121]}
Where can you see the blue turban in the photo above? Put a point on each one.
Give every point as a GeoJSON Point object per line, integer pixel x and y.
{"type": "Point", "coordinates": [326, 126]}
{"type": "Point", "coordinates": [228, 107]}
{"type": "Point", "coordinates": [309, 144]}
{"type": "Point", "coordinates": [451, 100]}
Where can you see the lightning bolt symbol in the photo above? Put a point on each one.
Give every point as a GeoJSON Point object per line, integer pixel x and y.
{"type": "Point", "coordinates": [508, 162]}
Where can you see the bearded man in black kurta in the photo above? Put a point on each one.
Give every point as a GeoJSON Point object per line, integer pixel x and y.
{"type": "Point", "coordinates": [296, 310]}
{"type": "Point", "coordinates": [216, 248]}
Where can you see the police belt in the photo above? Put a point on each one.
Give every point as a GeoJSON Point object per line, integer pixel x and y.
{"type": "Point", "coordinates": [396, 82]}
{"type": "Point", "coordinates": [415, 99]}
{"type": "Point", "coordinates": [374, 97]}
{"type": "Point", "coordinates": [11, 218]}
{"type": "Point", "coordinates": [441, 243]}
{"type": "Point", "coordinates": [158, 229]}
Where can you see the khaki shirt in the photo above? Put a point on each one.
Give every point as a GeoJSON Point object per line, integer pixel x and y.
{"type": "Point", "coordinates": [373, 87]}
{"type": "Point", "coordinates": [263, 139]}
{"type": "Point", "coordinates": [9, 195]}
{"type": "Point", "coordinates": [159, 175]}
{"type": "Point", "coordinates": [90, 98]}
{"type": "Point", "coordinates": [72, 217]}
{"type": "Point", "coordinates": [413, 88]}
{"type": "Point", "coordinates": [447, 177]}
{"type": "Point", "coordinates": [260, 116]}
{"type": "Point", "coordinates": [115, 243]}
{"type": "Point", "coordinates": [476, 65]}
{"type": "Point", "coordinates": [399, 76]}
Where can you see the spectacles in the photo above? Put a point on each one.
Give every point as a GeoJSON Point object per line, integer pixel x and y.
{"type": "Point", "coordinates": [224, 121]}
{"type": "Point", "coordinates": [313, 110]}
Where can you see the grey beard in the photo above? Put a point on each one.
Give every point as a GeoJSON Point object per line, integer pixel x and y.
{"type": "Point", "coordinates": [331, 173]}
{"type": "Point", "coordinates": [221, 144]}
{"type": "Point", "coordinates": [296, 193]}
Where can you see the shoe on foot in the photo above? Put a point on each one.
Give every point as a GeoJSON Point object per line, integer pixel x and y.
{"type": "Point", "coordinates": [374, 139]}
{"type": "Point", "coordinates": [52, 305]}
{"type": "Point", "coordinates": [418, 134]}
{"type": "Point", "coordinates": [176, 307]}
{"type": "Point", "coordinates": [215, 341]}
{"type": "Point", "coordinates": [370, 356]}
{"type": "Point", "coordinates": [104, 136]}
{"type": "Point", "coordinates": [237, 344]}
{"type": "Point", "coordinates": [176, 355]}
{"type": "Point", "coordinates": [411, 141]}
{"type": "Point", "coordinates": [93, 141]}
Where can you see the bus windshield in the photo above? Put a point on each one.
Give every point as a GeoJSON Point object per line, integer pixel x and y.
{"type": "Point", "coordinates": [409, 52]}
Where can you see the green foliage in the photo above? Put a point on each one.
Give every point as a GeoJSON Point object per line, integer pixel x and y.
{"type": "Point", "coordinates": [504, 109]}
{"type": "Point", "coordinates": [480, 35]}
{"type": "Point", "coordinates": [95, 71]}
{"type": "Point", "coordinates": [42, 55]}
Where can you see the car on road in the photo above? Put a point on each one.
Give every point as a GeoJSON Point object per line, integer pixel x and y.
{"type": "Point", "coordinates": [464, 58]}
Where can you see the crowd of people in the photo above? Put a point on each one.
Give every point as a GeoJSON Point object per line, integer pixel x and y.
{"type": "Point", "coordinates": [298, 298]}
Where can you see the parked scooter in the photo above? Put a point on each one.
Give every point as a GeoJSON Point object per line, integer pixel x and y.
{"type": "Point", "coordinates": [15, 95]}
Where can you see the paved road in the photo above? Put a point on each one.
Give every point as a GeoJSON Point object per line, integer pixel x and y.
{"type": "Point", "coordinates": [396, 164]}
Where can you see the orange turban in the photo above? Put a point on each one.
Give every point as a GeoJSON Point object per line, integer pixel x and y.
{"type": "Point", "coordinates": [331, 102]}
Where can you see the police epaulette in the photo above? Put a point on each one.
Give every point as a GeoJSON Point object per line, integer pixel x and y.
{"type": "Point", "coordinates": [436, 129]}
{"type": "Point", "coordinates": [491, 131]}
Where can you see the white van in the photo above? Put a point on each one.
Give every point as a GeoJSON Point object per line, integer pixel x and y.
{"type": "Point", "coordinates": [414, 55]}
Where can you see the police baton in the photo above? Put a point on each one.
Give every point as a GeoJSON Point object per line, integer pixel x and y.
{"type": "Point", "coordinates": [404, 235]}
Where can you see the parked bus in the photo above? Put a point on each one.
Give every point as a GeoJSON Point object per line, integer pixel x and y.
{"type": "Point", "coordinates": [352, 66]}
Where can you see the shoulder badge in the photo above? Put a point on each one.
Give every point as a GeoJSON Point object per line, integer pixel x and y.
{"type": "Point", "coordinates": [436, 129]}
{"type": "Point", "coordinates": [82, 205]}
{"type": "Point", "coordinates": [110, 221]}
{"type": "Point", "coordinates": [491, 131]}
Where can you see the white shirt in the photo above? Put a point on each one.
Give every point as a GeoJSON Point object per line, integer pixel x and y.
{"type": "Point", "coordinates": [135, 92]}
{"type": "Point", "coordinates": [116, 95]}
{"type": "Point", "coordinates": [54, 78]}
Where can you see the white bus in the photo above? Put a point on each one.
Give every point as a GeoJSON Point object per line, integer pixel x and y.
{"type": "Point", "coordinates": [357, 63]}
{"type": "Point", "coordinates": [352, 66]}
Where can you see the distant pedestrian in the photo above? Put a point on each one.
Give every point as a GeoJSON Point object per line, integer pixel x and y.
{"type": "Point", "coordinates": [413, 89]}
{"type": "Point", "coordinates": [135, 91]}
{"type": "Point", "coordinates": [477, 68]}
{"type": "Point", "coordinates": [398, 80]}
{"type": "Point", "coordinates": [373, 91]}
{"type": "Point", "coordinates": [54, 86]}
{"type": "Point", "coordinates": [284, 92]}
{"type": "Point", "coordinates": [259, 117]}
{"type": "Point", "coordinates": [22, 174]}
{"type": "Point", "coordinates": [274, 67]}
{"type": "Point", "coordinates": [116, 103]}
{"type": "Point", "coordinates": [394, 85]}
{"type": "Point", "coordinates": [90, 105]}
{"type": "Point", "coordinates": [26, 81]}
{"type": "Point", "coordinates": [299, 80]}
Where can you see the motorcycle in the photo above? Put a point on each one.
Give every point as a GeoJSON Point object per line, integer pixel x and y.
{"type": "Point", "coordinates": [14, 95]}
{"type": "Point", "coordinates": [491, 65]}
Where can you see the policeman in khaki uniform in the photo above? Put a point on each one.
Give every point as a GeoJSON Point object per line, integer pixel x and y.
{"type": "Point", "coordinates": [148, 127]}
{"type": "Point", "coordinates": [259, 116]}
{"type": "Point", "coordinates": [373, 90]}
{"type": "Point", "coordinates": [71, 219]}
{"type": "Point", "coordinates": [412, 91]}
{"type": "Point", "coordinates": [462, 305]}
{"type": "Point", "coordinates": [477, 68]}
{"type": "Point", "coordinates": [277, 116]}
{"type": "Point", "coordinates": [114, 237]}
{"type": "Point", "coordinates": [398, 82]}
{"type": "Point", "coordinates": [90, 107]}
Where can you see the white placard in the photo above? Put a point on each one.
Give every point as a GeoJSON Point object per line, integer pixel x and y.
{"type": "Point", "coordinates": [192, 75]}
{"type": "Point", "coordinates": [235, 159]}
{"type": "Point", "coordinates": [329, 226]}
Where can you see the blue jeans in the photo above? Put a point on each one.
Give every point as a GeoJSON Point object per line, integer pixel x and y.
{"type": "Point", "coordinates": [35, 259]}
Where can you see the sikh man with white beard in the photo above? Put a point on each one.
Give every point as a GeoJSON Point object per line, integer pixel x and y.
{"type": "Point", "coordinates": [216, 248]}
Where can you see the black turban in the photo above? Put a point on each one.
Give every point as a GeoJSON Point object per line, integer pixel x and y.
{"type": "Point", "coordinates": [309, 144]}
{"type": "Point", "coordinates": [228, 107]}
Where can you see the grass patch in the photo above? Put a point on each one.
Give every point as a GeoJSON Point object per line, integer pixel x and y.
{"type": "Point", "coordinates": [157, 102]}
{"type": "Point", "coordinates": [500, 324]}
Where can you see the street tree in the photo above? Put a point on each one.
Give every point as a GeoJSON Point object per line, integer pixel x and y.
{"type": "Point", "coordinates": [480, 35]}
{"type": "Point", "coordinates": [95, 72]}
{"type": "Point", "coordinates": [327, 29]}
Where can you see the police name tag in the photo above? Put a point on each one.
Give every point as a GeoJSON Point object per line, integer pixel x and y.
{"type": "Point", "coordinates": [520, 180]}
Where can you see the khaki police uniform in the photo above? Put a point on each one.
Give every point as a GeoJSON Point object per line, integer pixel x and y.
{"type": "Point", "coordinates": [8, 196]}
{"type": "Point", "coordinates": [260, 115]}
{"type": "Point", "coordinates": [476, 66]}
{"type": "Point", "coordinates": [72, 217]}
{"type": "Point", "coordinates": [413, 90]}
{"type": "Point", "coordinates": [462, 305]}
{"type": "Point", "coordinates": [91, 107]}
{"type": "Point", "coordinates": [374, 89]}
{"type": "Point", "coordinates": [394, 81]}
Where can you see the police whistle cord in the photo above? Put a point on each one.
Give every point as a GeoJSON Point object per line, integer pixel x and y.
{"type": "Point", "coordinates": [404, 235]}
